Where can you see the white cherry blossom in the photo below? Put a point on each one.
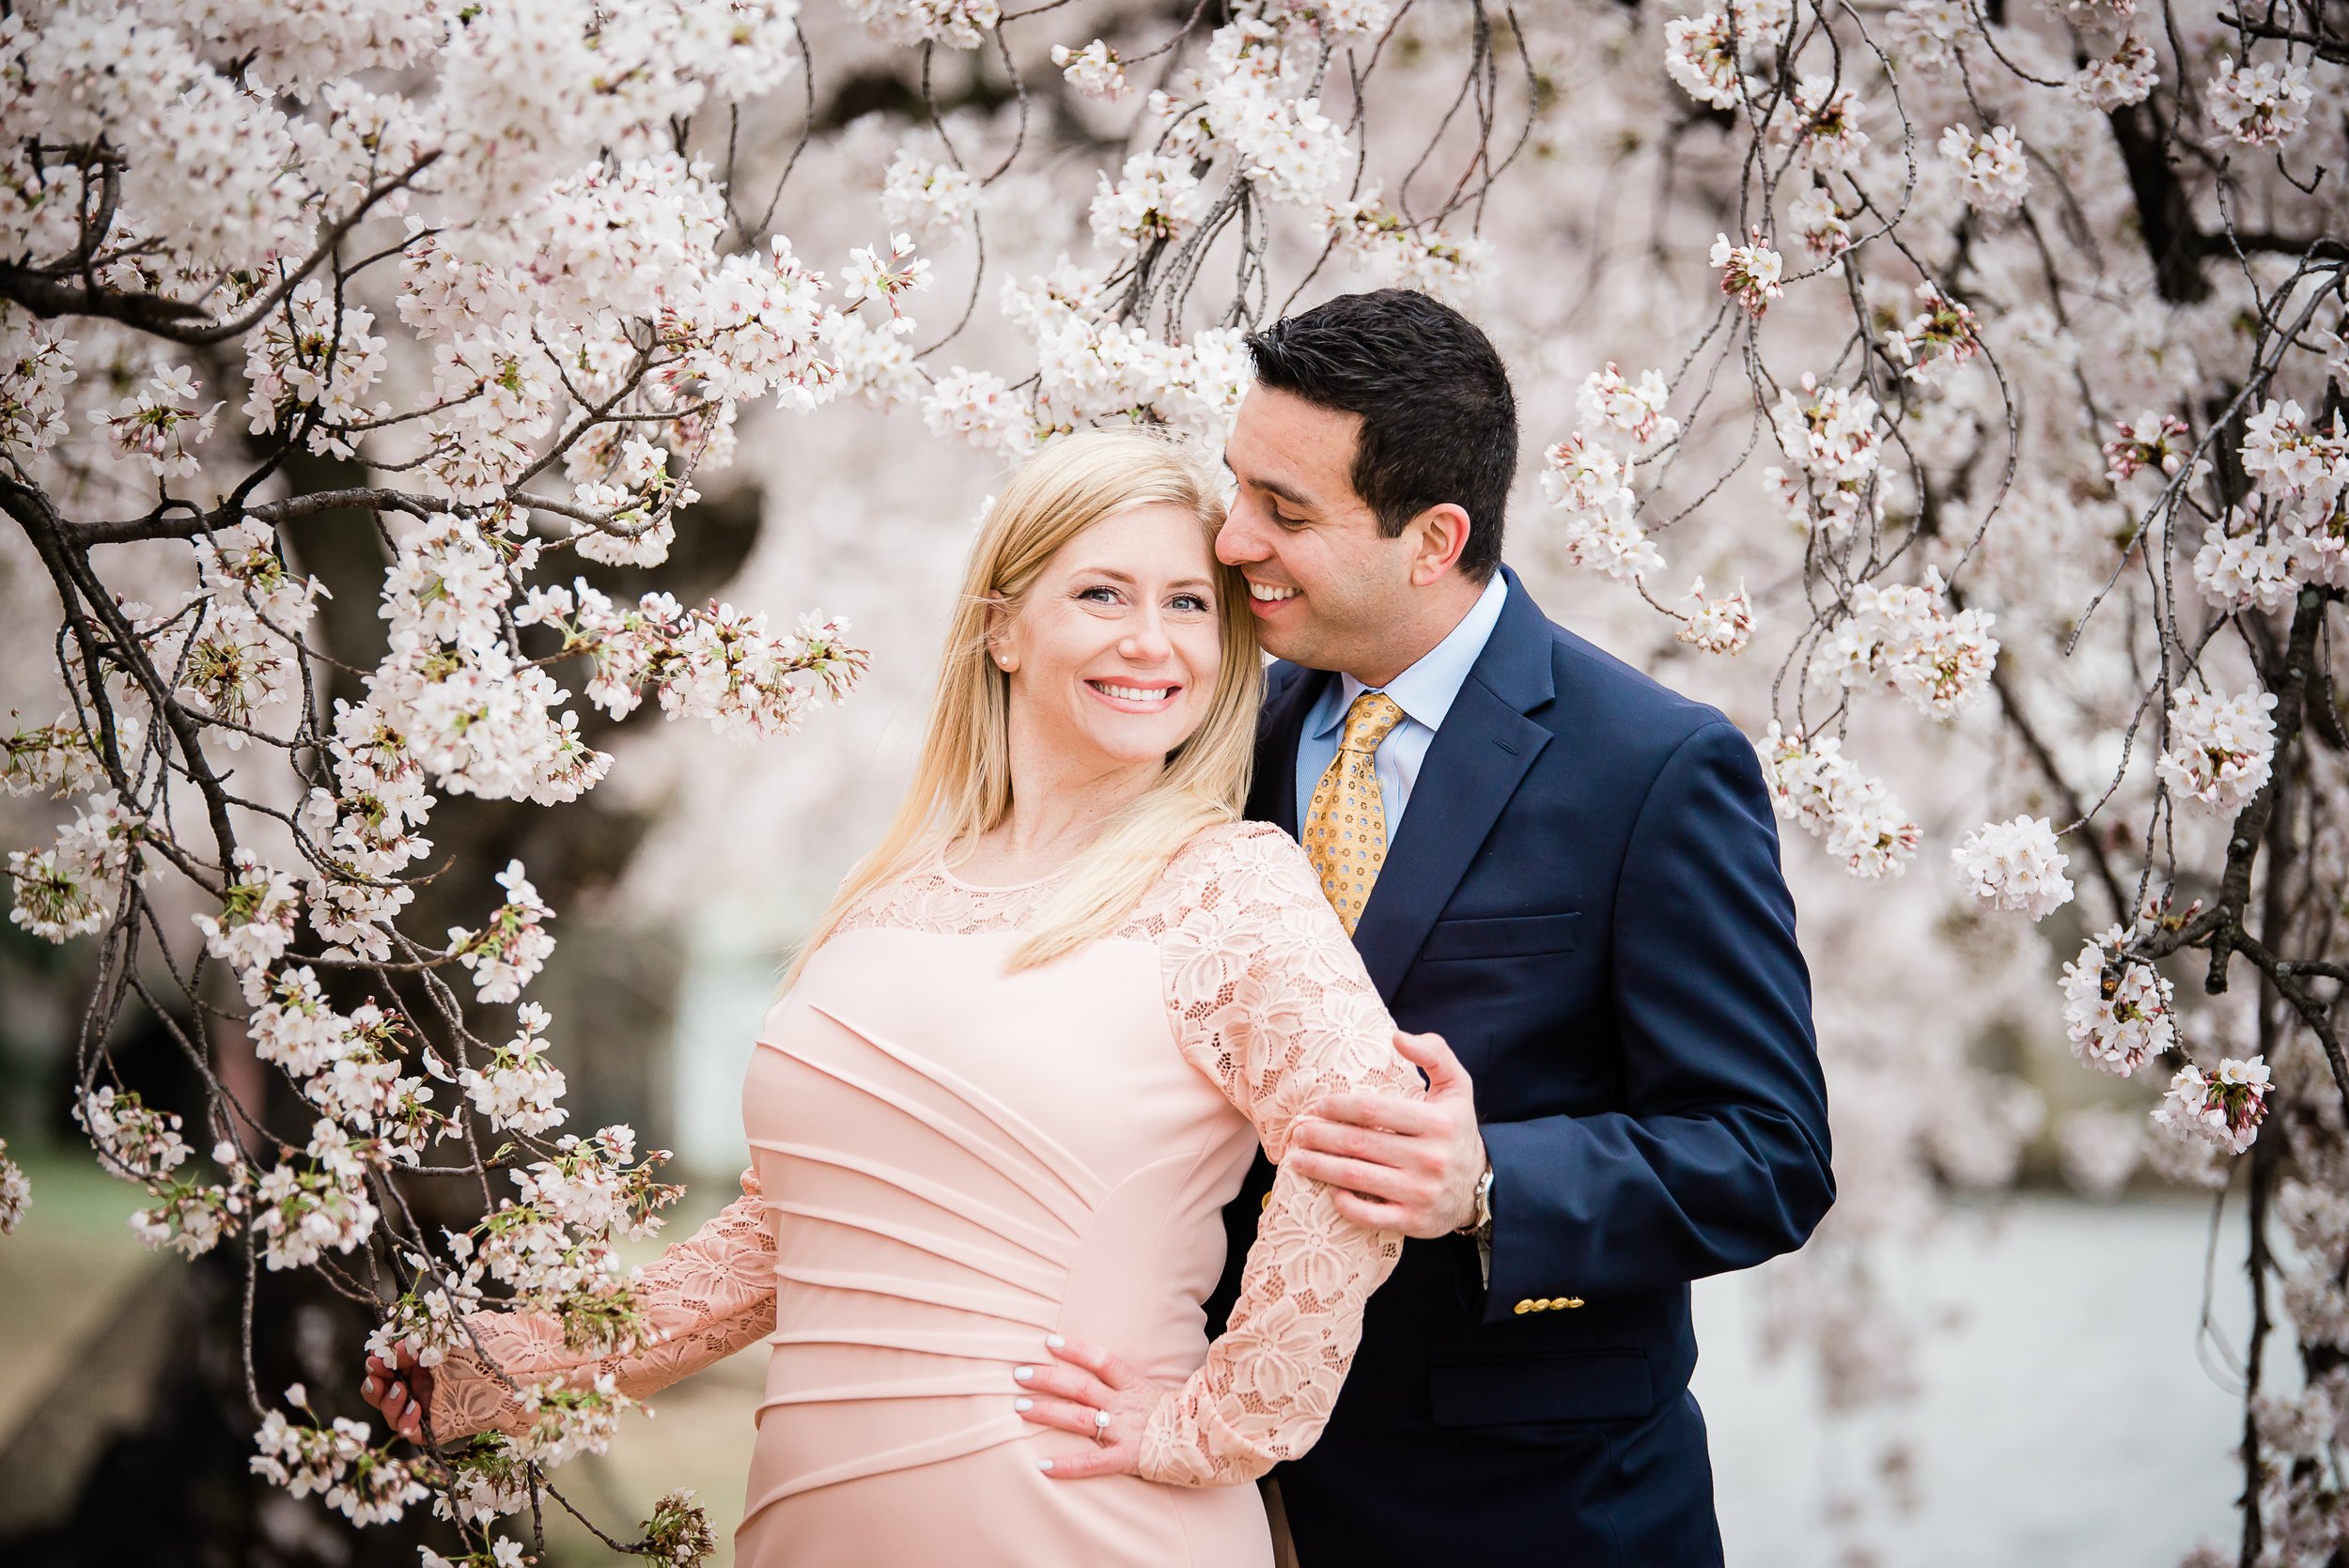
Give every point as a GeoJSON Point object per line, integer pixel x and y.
{"type": "Point", "coordinates": [2219, 747]}
{"type": "Point", "coordinates": [2014, 866]}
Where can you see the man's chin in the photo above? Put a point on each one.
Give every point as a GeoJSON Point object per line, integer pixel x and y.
{"type": "Point", "coordinates": [1295, 644]}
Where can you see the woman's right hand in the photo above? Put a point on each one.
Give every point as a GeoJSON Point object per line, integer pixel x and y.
{"type": "Point", "coordinates": [402, 1391]}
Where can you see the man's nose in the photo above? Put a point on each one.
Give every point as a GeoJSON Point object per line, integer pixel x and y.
{"type": "Point", "coordinates": [1239, 541]}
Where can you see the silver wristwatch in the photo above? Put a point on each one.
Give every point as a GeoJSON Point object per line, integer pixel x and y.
{"type": "Point", "coordinates": [1481, 1224]}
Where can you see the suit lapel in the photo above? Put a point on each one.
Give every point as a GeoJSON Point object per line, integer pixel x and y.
{"type": "Point", "coordinates": [1272, 795]}
{"type": "Point", "coordinates": [1473, 767]}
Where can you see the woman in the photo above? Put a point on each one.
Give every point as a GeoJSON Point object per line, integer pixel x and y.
{"type": "Point", "coordinates": [1019, 1066]}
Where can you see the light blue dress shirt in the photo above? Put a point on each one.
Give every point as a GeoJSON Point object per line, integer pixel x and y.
{"type": "Point", "coordinates": [1424, 692]}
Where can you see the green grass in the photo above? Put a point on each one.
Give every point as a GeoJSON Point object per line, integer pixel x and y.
{"type": "Point", "coordinates": [69, 1258]}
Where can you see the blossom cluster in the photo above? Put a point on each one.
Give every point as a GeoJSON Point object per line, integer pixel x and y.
{"type": "Point", "coordinates": [2150, 441]}
{"type": "Point", "coordinates": [1587, 477]}
{"type": "Point", "coordinates": [1990, 167]}
{"type": "Point", "coordinates": [2014, 866]}
{"type": "Point", "coordinates": [1709, 54]}
{"type": "Point", "coordinates": [1821, 125]}
{"type": "Point", "coordinates": [1752, 273]}
{"type": "Point", "coordinates": [16, 1192]}
{"type": "Point", "coordinates": [361, 1481]}
{"type": "Point", "coordinates": [2118, 1010]}
{"type": "Point", "coordinates": [920, 194]}
{"type": "Point", "coordinates": [2226, 1107]}
{"type": "Point", "coordinates": [1828, 435]}
{"type": "Point", "coordinates": [1241, 127]}
{"type": "Point", "coordinates": [1390, 252]}
{"type": "Point", "coordinates": [1936, 340]}
{"type": "Point", "coordinates": [1901, 636]}
{"type": "Point", "coordinates": [2127, 75]}
{"type": "Point", "coordinates": [2242, 566]}
{"type": "Point", "coordinates": [2260, 105]}
{"type": "Point", "coordinates": [1094, 70]}
{"type": "Point", "coordinates": [2220, 748]}
{"type": "Point", "coordinates": [1812, 782]}
{"type": "Point", "coordinates": [1717, 622]}
{"type": "Point", "coordinates": [74, 886]}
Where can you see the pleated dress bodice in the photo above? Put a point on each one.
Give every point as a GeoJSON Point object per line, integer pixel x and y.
{"type": "Point", "coordinates": [958, 1168]}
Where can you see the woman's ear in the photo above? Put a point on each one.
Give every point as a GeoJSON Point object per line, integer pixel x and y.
{"type": "Point", "coordinates": [999, 647]}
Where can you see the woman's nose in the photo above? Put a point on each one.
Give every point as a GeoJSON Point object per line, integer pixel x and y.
{"type": "Point", "coordinates": [1145, 641]}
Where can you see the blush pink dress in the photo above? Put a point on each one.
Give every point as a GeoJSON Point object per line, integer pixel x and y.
{"type": "Point", "coordinates": [950, 1161]}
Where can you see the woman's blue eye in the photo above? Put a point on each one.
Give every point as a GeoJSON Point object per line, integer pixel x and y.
{"type": "Point", "coordinates": [1192, 601]}
{"type": "Point", "coordinates": [1097, 588]}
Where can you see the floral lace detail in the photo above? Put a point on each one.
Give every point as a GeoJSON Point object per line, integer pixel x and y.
{"type": "Point", "coordinates": [930, 900]}
{"type": "Point", "coordinates": [707, 1298]}
{"type": "Point", "coordinates": [1268, 997]}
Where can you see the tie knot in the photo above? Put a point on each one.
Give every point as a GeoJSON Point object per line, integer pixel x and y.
{"type": "Point", "coordinates": [1368, 721]}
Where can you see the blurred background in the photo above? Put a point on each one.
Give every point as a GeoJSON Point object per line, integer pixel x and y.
{"type": "Point", "coordinates": [2007, 1345]}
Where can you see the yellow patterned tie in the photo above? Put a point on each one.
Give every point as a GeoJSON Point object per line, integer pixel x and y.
{"type": "Point", "coordinates": [1345, 824]}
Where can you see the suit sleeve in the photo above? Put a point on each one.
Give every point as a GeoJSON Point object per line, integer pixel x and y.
{"type": "Point", "coordinates": [1719, 1159]}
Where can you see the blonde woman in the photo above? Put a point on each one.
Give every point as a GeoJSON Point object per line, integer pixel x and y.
{"type": "Point", "coordinates": [1017, 1071]}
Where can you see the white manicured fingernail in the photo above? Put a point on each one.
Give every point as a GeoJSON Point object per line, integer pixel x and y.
{"type": "Point", "coordinates": [1054, 1340]}
{"type": "Point", "coordinates": [1023, 1403]}
{"type": "Point", "coordinates": [1023, 1374]}
{"type": "Point", "coordinates": [1044, 1464]}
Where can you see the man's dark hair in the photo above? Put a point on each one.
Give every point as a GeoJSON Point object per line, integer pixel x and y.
{"type": "Point", "coordinates": [1438, 420]}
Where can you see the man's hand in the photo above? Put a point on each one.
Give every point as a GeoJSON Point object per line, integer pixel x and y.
{"type": "Point", "coordinates": [1397, 1164]}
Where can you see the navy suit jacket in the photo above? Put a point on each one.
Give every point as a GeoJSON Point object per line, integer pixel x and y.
{"type": "Point", "coordinates": [1584, 899]}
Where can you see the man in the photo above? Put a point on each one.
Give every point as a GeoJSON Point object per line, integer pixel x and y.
{"type": "Point", "coordinates": [1567, 873]}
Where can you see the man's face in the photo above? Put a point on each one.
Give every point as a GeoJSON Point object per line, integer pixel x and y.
{"type": "Point", "coordinates": [1325, 590]}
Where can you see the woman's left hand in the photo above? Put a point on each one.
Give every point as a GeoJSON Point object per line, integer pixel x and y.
{"type": "Point", "coordinates": [1094, 1393]}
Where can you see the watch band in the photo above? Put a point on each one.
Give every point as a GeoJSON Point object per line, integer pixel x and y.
{"type": "Point", "coordinates": [1480, 1224]}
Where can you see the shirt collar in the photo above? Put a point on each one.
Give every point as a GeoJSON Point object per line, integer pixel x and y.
{"type": "Point", "coordinates": [1425, 692]}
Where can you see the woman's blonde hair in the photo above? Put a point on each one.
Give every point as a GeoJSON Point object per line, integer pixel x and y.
{"type": "Point", "coordinates": [962, 782]}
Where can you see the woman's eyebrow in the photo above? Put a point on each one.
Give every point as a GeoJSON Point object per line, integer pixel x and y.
{"type": "Point", "coordinates": [1127, 578]}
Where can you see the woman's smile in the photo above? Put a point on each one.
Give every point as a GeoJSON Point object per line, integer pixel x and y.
{"type": "Point", "coordinates": [1150, 696]}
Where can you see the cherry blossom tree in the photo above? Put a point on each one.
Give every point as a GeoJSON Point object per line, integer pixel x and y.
{"type": "Point", "coordinates": [512, 298]}
{"type": "Point", "coordinates": [1987, 362]}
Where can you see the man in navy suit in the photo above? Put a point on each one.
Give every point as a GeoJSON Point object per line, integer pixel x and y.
{"type": "Point", "coordinates": [1580, 904]}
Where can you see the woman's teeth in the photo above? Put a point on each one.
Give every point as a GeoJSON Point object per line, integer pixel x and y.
{"type": "Point", "coordinates": [1133, 693]}
{"type": "Point", "coordinates": [1265, 593]}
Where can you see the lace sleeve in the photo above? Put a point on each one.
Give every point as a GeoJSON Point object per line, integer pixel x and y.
{"type": "Point", "coordinates": [1271, 1000]}
{"type": "Point", "coordinates": [707, 1297]}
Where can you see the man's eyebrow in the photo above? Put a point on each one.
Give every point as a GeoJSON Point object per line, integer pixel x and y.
{"type": "Point", "coordinates": [1273, 485]}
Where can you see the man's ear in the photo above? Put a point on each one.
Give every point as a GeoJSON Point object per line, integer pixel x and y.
{"type": "Point", "coordinates": [1439, 534]}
